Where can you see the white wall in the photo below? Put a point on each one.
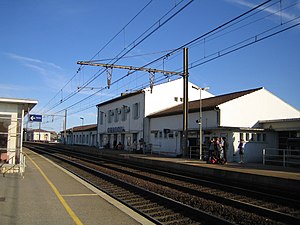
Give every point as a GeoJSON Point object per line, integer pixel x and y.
{"type": "Point", "coordinates": [130, 124]}
{"type": "Point", "coordinates": [88, 138]}
{"type": "Point", "coordinates": [163, 95]}
{"type": "Point", "coordinates": [253, 149]}
{"type": "Point", "coordinates": [246, 111]}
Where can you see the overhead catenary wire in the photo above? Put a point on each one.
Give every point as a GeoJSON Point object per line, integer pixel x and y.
{"type": "Point", "coordinates": [80, 67]}
{"type": "Point", "coordinates": [190, 44]}
{"type": "Point", "coordinates": [241, 45]}
{"type": "Point", "coordinates": [177, 49]}
{"type": "Point", "coordinates": [134, 44]}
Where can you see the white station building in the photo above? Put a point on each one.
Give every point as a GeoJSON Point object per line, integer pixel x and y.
{"type": "Point", "coordinates": [124, 119]}
{"type": "Point", "coordinates": [244, 114]}
{"type": "Point", "coordinates": [12, 113]}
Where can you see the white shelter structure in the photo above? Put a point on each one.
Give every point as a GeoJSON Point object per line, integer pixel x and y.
{"type": "Point", "coordinates": [232, 116]}
{"type": "Point", "coordinates": [12, 113]}
{"type": "Point", "coordinates": [124, 119]}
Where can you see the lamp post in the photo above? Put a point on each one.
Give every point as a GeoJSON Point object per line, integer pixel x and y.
{"type": "Point", "coordinates": [200, 118]}
{"type": "Point", "coordinates": [82, 120]}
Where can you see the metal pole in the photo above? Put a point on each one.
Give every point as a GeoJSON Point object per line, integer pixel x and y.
{"type": "Point", "coordinates": [82, 119]}
{"type": "Point", "coordinates": [185, 102]}
{"type": "Point", "coordinates": [200, 127]}
{"type": "Point", "coordinates": [39, 131]}
{"type": "Point", "coordinates": [65, 128]}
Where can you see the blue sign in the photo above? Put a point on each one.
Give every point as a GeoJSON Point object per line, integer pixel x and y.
{"type": "Point", "coordinates": [35, 118]}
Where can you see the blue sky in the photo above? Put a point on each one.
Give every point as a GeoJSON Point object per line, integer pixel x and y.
{"type": "Point", "coordinates": [41, 41]}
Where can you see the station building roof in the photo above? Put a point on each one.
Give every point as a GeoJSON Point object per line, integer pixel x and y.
{"type": "Point", "coordinates": [123, 96]}
{"type": "Point", "coordinates": [90, 127]}
{"type": "Point", "coordinates": [207, 103]}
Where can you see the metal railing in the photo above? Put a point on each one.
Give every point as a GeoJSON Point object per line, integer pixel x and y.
{"type": "Point", "coordinates": [282, 157]}
{"type": "Point", "coordinates": [194, 152]}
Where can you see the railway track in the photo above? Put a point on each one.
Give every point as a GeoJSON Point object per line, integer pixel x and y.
{"type": "Point", "coordinates": [155, 207]}
{"type": "Point", "coordinates": [230, 204]}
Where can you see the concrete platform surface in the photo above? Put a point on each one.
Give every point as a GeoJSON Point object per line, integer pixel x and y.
{"type": "Point", "coordinates": [47, 194]}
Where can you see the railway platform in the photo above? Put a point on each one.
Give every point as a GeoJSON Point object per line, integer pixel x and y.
{"type": "Point", "coordinates": [286, 179]}
{"type": "Point", "coordinates": [47, 194]}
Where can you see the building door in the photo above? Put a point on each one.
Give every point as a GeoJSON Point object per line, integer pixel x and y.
{"type": "Point", "coordinates": [115, 141]}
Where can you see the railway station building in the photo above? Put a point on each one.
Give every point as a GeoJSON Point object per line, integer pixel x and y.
{"type": "Point", "coordinates": [123, 120]}
{"type": "Point", "coordinates": [257, 116]}
{"type": "Point", "coordinates": [152, 121]}
{"type": "Point", "coordinates": [12, 113]}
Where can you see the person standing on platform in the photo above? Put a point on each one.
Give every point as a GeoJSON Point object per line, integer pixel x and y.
{"type": "Point", "coordinates": [241, 150]}
{"type": "Point", "coordinates": [211, 148]}
{"type": "Point", "coordinates": [225, 149]}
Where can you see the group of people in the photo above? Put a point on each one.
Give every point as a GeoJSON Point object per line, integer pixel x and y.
{"type": "Point", "coordinates": [217, 151]}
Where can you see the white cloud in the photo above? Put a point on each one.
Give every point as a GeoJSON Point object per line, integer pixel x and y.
{"type": "Point", "coordinates": [17, 91]}
{"type": "Point", "coordinates": [272, 10]}
{"type": "Point", "coordinates": [32, 61]}
{"type": "Point", "coordinates": [50, 73]}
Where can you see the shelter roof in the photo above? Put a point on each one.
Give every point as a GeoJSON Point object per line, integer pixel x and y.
{"type": "Point", "coordinates": [27, 103]}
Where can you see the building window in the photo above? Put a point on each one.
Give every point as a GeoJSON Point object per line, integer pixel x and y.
{"type": "Point", "coordinates": [5, 121]}
{"type": "Point", "coordinates": [176, 99]}
{"type": "Point", "coordinates": [123, 114]}
{"type": "Point", "coordinates": [160, 134]}
{"type": "Point", "coordinates": [102, 118]}
{"type": "Point", "coordinates": [136, 111]}
{"type": "Point", "coordinates": [110, 115]}
{"type": "Point", "coordinates": [241, 136]}
{"type": "Point", "coordinates": [258, 137]}
{"type": "Point", "coordinates": [247, 136]}
{"type": "Point", "coordinates": [264, 137]}
{"type": "Point", "coordinates": [253, 138]}
{"type": "Point", "coordinates": [116, 118]}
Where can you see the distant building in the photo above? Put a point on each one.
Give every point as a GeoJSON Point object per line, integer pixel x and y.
{"type": "Point", "coordinates": [40, 135]}
{"type": "Point", "coordinates": [81, 135]}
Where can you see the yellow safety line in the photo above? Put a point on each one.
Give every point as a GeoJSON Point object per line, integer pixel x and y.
{"type": "Point", "coordinates": [75, 195]}
{"type": "Point", "coordinates": [61, 199]}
